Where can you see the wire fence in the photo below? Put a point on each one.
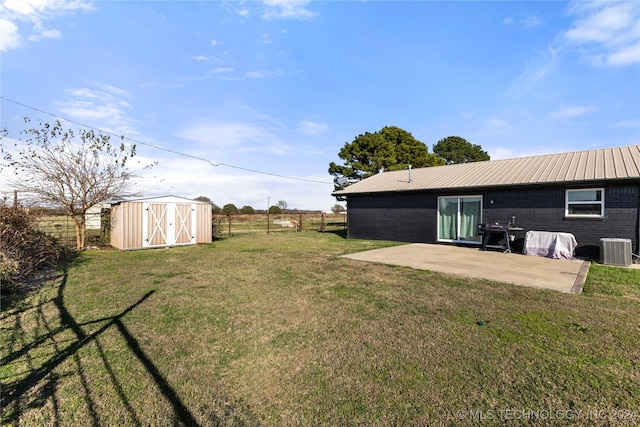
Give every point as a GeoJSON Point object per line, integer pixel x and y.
{"type": "Point", "coordinates": [62, 227]}
{"type": "Point", "coordinates": [229, 225]}
{"type": "Point", "coordinates": [98, 225]}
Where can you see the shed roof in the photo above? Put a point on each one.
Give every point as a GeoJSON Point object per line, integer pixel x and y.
{"type": "Point", "coordinates": [162, 199]}
{"type": "Point", "coordinates": [619, 163]}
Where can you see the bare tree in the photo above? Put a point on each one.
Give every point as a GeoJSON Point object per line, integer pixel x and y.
{"type": "Point", "coordinates": [68, 170]}
{"type": "Point", "coordinates": [282, 205]}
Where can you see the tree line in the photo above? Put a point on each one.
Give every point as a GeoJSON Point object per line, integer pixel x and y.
{"type": "Point", "coordinates": [280, 208]}
{"type": "Point", "coordinates": [232, 209]}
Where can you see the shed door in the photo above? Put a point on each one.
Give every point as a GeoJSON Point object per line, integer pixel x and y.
{"type": "Point", "coordinates": [167, 224]}
{"type": "Point", "coordinates": [185, 224]}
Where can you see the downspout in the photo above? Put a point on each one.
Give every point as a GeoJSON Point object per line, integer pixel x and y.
{"type": "Point", "coordinates": [637, 225]}
{"type": "Point", "coordinates": [347, 218]}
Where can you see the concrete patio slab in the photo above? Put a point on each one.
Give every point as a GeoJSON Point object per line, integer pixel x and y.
{"type": "Point", "coordinates": [517, 269]}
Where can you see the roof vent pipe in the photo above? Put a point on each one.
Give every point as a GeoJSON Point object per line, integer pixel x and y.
{"type": "Point", "coordinates": [409, 173]}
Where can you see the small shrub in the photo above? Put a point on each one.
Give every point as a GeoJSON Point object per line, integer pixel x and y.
{"type": "Point", "coordinates": [216, 228]}
{"type": "Point", "coordinates": [23, 248]}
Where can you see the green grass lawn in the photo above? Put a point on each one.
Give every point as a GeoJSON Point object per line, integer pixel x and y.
{"type": "Point", "coordinates": [279, 330]}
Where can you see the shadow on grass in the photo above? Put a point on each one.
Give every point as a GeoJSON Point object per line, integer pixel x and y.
{"type": "Point", "coordinates": [339, 233]}
{"type": "Point", "coordinates": [41, 381]}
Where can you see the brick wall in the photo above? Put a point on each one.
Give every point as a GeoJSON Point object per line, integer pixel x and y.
{"type": "Point", "coordinates": [544, 210]}
{"type": "Point", "coordinates": [396, 217]}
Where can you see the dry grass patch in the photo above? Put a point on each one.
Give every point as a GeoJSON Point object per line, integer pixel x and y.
{"type": "Point", "coordinates": [279, 330]}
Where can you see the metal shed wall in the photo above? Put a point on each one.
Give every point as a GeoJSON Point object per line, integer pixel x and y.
{"type": "Point", "coordinates": [126, 225]}
{"type": "Point", "coordinates": [203, 225]}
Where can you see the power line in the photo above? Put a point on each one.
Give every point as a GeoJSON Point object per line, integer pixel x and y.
{"type": "Point", "coordinates": [158, 147]}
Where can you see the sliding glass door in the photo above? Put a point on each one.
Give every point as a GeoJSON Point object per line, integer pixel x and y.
{"type": "Point", "coordinates": [458, 218]}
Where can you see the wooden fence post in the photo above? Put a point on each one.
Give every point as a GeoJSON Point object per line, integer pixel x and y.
{"type": "Point", "coordinates": [229, 218]}
{"type": "Point", "coordinates": [322, 221]}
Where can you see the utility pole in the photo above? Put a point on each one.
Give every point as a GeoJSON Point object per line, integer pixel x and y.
{"type": "Point", "coordinates": [268, 220]}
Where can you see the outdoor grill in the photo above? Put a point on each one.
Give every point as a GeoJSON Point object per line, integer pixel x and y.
{"type": "Point", "coordinates": [500, 229]}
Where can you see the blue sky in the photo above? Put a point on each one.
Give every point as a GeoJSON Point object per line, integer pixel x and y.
{"type": "Point", "coordinates": [279, 87]}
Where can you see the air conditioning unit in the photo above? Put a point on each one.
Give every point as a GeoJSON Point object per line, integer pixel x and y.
{"type": "Point", "coordinates": [615, 251]}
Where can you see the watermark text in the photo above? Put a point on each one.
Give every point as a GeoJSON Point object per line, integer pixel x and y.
{"type": "Point", "coordinates": [549, 414]}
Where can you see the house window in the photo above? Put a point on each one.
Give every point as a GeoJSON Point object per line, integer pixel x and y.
{"type": "Point", "coordinates": [458, 218]}
{"type": "Point", "coordinates": [585, 202]}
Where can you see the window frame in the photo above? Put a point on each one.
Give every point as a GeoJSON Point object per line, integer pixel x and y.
{"type": "Point", "coordinates": [458, 218]}
{"type": "Point", "coordinates": [600, 202]}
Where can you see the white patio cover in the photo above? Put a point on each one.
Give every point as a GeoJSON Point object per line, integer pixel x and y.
{"type": "Point", "coordinates": [550, 244]}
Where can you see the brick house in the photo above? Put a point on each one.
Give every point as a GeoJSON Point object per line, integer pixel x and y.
{"type": "Point", "coordinates": [592, 194]}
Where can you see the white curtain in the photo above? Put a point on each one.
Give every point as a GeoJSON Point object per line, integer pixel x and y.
{"type": "Point", "coordinates": [448, 215]}
{"type": "Point", "coordinates": [469, 218]}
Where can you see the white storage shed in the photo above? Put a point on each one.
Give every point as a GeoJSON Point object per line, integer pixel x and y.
{"type": "Point", "coordinates": [93, 216]}
{"type": "Point", "coordinates": [160, 221]}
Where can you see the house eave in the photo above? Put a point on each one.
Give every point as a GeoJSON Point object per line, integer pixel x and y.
{"type": "Point", "coordinates": [573, 183]}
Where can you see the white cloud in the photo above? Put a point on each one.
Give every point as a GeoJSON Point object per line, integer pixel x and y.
{"type": "Point", "coordinates": [221, 70]}
{"type": "Point", "coordinates": [497, 123]}
{"type": "Point", "coordinates": [633, 123]}
{"type": "Point", "coordinates": [567, 112]}
{"type": "Point", "coordinates": [9, 36]}
{"type": "Point", "coordinates": [625, 55]}
{"type": "Point", "coordinates": [212, 73]}
{"type": "Point", "coordinates": [287, 9]}
{"type": "Point", "coordinates": [113, 91]}
{"type": "Point", "coordinates": [526, 23]}
{"type": "Point", "coordinates": [203, 58]}
{"type": "Point", "coordinates": [257, 132]}
{"type": "Point", "coordinates": [608, 32]}
{"type": "Point", "coordinates": [602, 22]}
{"type": "Point", "coordinates": [46, 34]}
{"type": "Point", "coordinates": [36, 13]}
{"type": "Point", "coordinates": [239, 136]}
{"type": "Point", "coordinates": [534, 72]}
{"type": "Point", "coordinates": [251, 75]}
{"type": "Point", "coordinates": [104, 106]}
{"type": "Point", "coordinates": [311, 128]}
{"type": "Point", "coordinates": [40, 7]}
{"type": "Point", "coordinates": [530, 22]}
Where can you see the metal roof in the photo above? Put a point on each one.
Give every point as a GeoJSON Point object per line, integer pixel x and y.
{"type": "Point", "coordinates": [620, 163]}
{"type": "Point", "coordinates": [161, 199]}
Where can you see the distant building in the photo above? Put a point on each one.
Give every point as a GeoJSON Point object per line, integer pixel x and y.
{"type": "Point", "coordinates": [93, 216]}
